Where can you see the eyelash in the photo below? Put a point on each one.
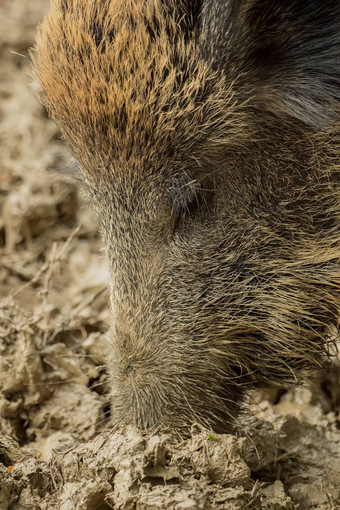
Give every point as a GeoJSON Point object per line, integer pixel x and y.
{"type": "Point", "coordinates": [186, 205]}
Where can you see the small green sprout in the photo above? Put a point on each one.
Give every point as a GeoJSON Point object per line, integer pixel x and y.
{"type": "Point", "coordinates": [212, 438]}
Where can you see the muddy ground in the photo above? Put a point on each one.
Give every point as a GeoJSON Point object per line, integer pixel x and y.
{"type": "Point", "coordinates": [57, 448]}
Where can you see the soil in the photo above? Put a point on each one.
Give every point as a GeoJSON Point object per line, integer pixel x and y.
{"type": "Point", "coordinates": [57, 447]}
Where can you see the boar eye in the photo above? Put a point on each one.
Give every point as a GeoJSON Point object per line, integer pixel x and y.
{"type": "Point", "coordinates": [184, 198]}
{"type": "Point", "coordinates": [189, 199]}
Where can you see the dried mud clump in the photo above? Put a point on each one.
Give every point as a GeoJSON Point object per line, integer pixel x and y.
{"type": "Point", "coordinates": [57, 447]}
{"type": "Point", "coordinates": [126, 470]}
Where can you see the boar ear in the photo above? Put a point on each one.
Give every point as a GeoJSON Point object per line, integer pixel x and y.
{"type": "Point", "coordinates": [283, 55]}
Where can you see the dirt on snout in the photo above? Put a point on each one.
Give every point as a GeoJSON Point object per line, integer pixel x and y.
{"type": "Point", "coordinates": [57, 447]}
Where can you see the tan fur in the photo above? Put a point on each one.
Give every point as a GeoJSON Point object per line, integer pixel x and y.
{"type": "Point", "coordinates": [218, 196]}
{"type": "Point", "coordinates": [103, 96]}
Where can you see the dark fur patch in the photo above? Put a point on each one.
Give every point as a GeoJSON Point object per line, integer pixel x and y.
{"type": "Point", "coordinates": [287, 53]}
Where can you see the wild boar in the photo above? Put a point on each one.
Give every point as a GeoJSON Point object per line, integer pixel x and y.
{"type": "Point", "coordinates": [207, 136]}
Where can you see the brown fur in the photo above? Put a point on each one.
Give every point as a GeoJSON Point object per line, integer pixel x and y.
{"type": "Point", "coordinates": [216, 182]}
